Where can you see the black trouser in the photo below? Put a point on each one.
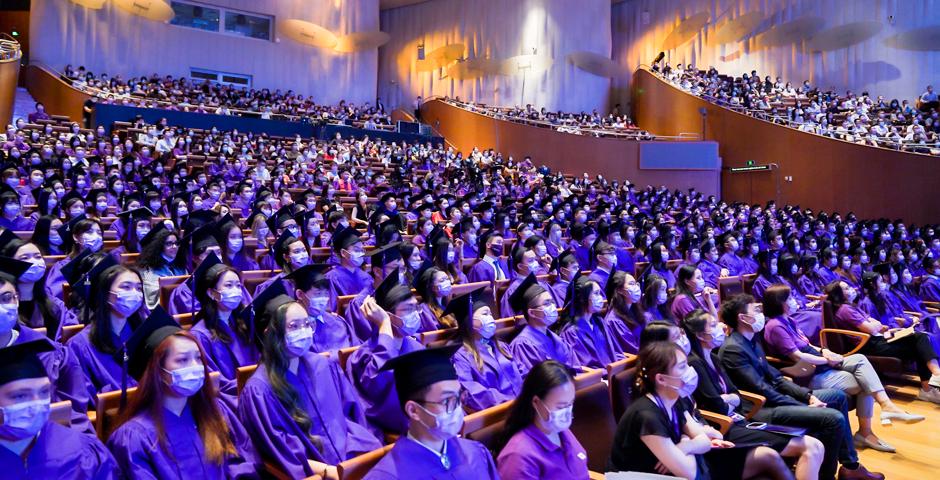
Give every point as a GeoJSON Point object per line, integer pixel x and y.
{"type": "Point", "coordinates": [913, 348]}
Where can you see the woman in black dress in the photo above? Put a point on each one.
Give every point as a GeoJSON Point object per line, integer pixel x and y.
{"type": "Point", "coordinates": [659, 433]}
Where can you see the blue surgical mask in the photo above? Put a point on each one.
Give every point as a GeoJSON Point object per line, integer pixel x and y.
{"type": "Point", "coordinates": [186, 381]}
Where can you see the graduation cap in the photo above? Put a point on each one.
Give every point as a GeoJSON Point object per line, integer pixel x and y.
{"type": "Point", "coordinates": [70, 270]}
{"type": "Point", "coordinates": [201, 238]}
{"type": "Point", "coordinates": [130, 217]}
{"type": "Point", "coordinates": [525, 293]}
{"type": "Point", "coordinates": [462, 307]}
{"type": "Point", "coordinates": [65, 231]}
{"type": "Point", "coordinates": [201, 274]}
{"type": "Point", "coordinates": [484, 206]}
{"type": "Point", "coordinates": [300, 197]}
{"type": "Point", "coordinates": [13, 267]}
{"type": "Point", "coordinates": [222, 226]}
{"type": "Point", "coordinates": [21, 360]}
{"type": "Point", "coordinates": [72, 195]}
{"type": "Point", "coordinates": [282, 215]}
{"type": "Point", "coordinates": [882, 269]}
{"type": "Point", "coordinates": [93, 195]}
{"type": "Point", "coordinates": [382, 256]}
{"type": "Point", "coordinates": [152, 234]}
{"type": "Point", "coordinates": [198, 219]}
{"type": "Point", "coordinates": [386, 196]}
{"type": "Point", "coordinates": [310, 275]}
{"type": "Point", "coordinates": [388, 230]}
{"type": "Point", "coordinates": [560, 259]}
{"type": "Point", "coordinates": [146, 339]}
{"type": "Point", "coordinates": [7, 237]}
{"type": "Point", "coordinates": [286, 238]}
{"type": "Point", "coordinates": [576, 282]}
{"type": "Point", "coordinates": [344, 238]}
{"type": "Point", "coordinates": [600, 246]}
{"type": "Point", "coordinates": [464, 226]}
{"type": "Point", "coordinates": [419, 369]}
{"type": "Point", "coordinates": [391, 292]}
{"type": "Point", "coordinates": [265, 302]}
{"type": "Point", "coordinates": [422, 279]}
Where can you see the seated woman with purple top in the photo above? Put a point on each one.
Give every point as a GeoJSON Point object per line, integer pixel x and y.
{"type": "Point", "coordinates": [659, 254]}
{"type": "Point", "coordinates": [841, 300]}
{"type": "Point", "coordinates": [484, 366]}
{"type": "Point", "coordinates": [655, 300]}
{"type": "Point", "coordinates": [592, 341]}
{"type": "Point", "coordinates": [625, 316]}
{"type": "Point", "coordinates": [232, 241]}
{"type": "Point", "coordinates": [434, 287]}
{"type": "Point", "coordinates": [36, 309]}
{"type": "Point", "coordinates": [537, 342]}
{"type": "Point", "coordinates": [853, 374]}
{"type": "Point", "coordinates": [691, 293]}
{"type": "Point", "coordinates": [537, 442]}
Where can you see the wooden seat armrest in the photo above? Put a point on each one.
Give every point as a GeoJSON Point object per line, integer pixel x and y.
{"type": "Point", "coordinates": [862, 338]}
{"type": "Point", "coordinates": [595, 475]}
{"type": "Point", "coordinates": [817, 298]}
{"type": "Point", "coordinates": [757, 402]}
{"type": "Point", "coordinates": [722, 422]}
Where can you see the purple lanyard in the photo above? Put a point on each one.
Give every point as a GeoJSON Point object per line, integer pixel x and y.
{"type": "Point", "coordinates": [674, 419]}
{"type": "Point", "coordinates": [721, 381]}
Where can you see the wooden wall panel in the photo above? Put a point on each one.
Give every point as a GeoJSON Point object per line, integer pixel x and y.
{"type": "Point", "coordinates": [827, 174]}
{"type": "Point", "coordinates": [575, 154]}
{"type": "Point", "coordinates": [58, 97]}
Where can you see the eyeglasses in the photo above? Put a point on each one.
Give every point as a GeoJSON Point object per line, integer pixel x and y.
{"type": "Point", "coordinates": [450, 404]}
{"type": "Point", "coordinates": [9, 297]}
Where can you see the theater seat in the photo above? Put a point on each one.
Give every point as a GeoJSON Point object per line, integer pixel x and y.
{"type": "Point", "coordinates": [620, 377]}
{"type": "Point", "coordinates": [837, 340]}
{"type": "Point", "coordinates": [747, 282]}
{"type": "Point", "coordinates": [243, 374]}
{"type": "Point", "coordinates": [593, 425]}
{"type": "Point", "coordinates": [487, 425]}
{"type": "Point", "coordinates": [729, 287]}
{"type": "Point", "coordinates": [356, 468]}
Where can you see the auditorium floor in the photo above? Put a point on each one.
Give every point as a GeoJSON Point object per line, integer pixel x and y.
{"type": "Point", "coordinates": [918, 444]}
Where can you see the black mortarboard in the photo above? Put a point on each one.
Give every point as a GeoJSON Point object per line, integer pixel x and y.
{"type": "Point", "coordinates": [561, 258]}
{"type": "Point", "coordinates": [152, 234]}
{"type": "Point", "coordinates": [462, 307]}
{"type": "Point", "coordinates": [6, 237]}
{"type": "Point", "coordinates": [94, 193]}
{"type": "Point", "coordinates": [21, 360]}
{"type": "Point", "coordinates": [283, 214]}
{"type": "Point", "coordinates": [13, 267]}
{"type": "Point", "coordinates": [147, 338]}
{"type": "Point", "coordinates": [391, 292]}
{"type": "Point", "coordinates": [72, 194]}
{"type": "Point", "coordinates": [464, 226]}
{"type": "Point", "coordinates": [201, 238]}
{"type": "Point", "coordinates": [265, 302]}
{"type": "Point", "coordinates": [385, 254]}
{"type": "Point", "coordinates": [201, 273]}
{"type": "Point", "coordinates": [70, 270]}
{"type": "Point", "coordinates": [95, 272]}
{"type": "Point", "coordinates": [386, 196]}
{"type": "Point", "coordinates": [198, 219]}
{"type": "Point", "coordinates": [527, 290]}
{"type": "Point", "coordinates": [422, 278]}
{"type": "Point", "coordinates": [345, 238]}
{"type": "Point", "coordinates": [137, 214]}
{"type": "Point", "coordinates": [221, 228]}
{"type": "Point", "coordinates": [882, 269]}
{"type": "Point", "coordinates": [420, 369]}
{"type": "Point", "coordinates": [286, 238]}
{"type": "Point", "coordinates": [309, 275]}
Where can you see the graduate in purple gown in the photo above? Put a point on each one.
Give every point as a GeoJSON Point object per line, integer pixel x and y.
{"type": "Point", "coordinates": [583, 236]}
{"type": "Point", "coordinates": [484, 364]}
{"type": "Point", "coordinates": [348, 278]}
{"type": "Point", "coordinates": [175, 426]}
{"type": "Point", "coordinates": [298, 405]}
{"type": "Point", "coordinates": [385, 260]}
{"type": "Point", "coordinates": [221, 330]}
{"type": "Point", "coordinates": [605, 259]}
{"type": "Point", "coordinates": [930, 287]}
{"type": "Point", "coordinates": [767, 273]}
{"type": "Point", "coordinates": [536, 342]}
{"type": "Point", "coordinates": [428, 393]}
{"type": "Point", "coordinates": [78, 235]}
{"type": "Point", "coordinates": [810, 282]}
{"type": "Point", "coordinates": [393, 313]}
{"type": "Point", "coordinates": [232, 241]}
{"type": "Point", "coordinates": [828, 262]}
{"type": "Point", "coordinates": [31, 445]}
{"type": "Point", "coordinates": [729, 257]}
{"type": "Point", "coordinates": [115, 309]}
{"type": "Point", "coordinates": [11, 211]}
{"type": "Point", "coordinates": [36, 309]}
{"type": "Point", "coordinates": [625, 317]}
{"type": "Point", "coordinates": [202, 243]}
{"type": "Point", "coordinates": [711, 270]}
{"type": "Point", "coordinates": [290, 254]}
{"type": "Point", "coordinates": [659, 255]}
{"type": "Point", "coordinates": [524, 262]}
{"type": "Point", "coordinates": [444, 255]}
{"type": "Point", "coordinates": [491, 267]}
{"type": "Point", "coordinates": [537, 442]}
{"type": "Point", "coordinates": [565, 267]}
{"type": "Point", "coordinates": [434, 287]}
{"type": "Point", "coordinates": [330, 331]}
{"type": "Point", "coordinates": [691, 293]}
{"type": "Point", "coordinates": [138, 221]}
{"type": "Point", "coordinates": [583, 329]}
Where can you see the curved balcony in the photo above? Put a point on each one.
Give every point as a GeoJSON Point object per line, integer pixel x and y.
{"type": "Point", "coordinates": [809, 170]}
{"type": "Point", "coordinates": [10, 54]}
{"type": "Point", "coordinates": [676, 164]}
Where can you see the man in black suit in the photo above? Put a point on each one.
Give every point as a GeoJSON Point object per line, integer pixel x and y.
{"type": "Point", "coordinates": [823, 413]}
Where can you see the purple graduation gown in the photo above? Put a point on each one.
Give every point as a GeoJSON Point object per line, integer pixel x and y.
{"type": "Point", "coordinates": [429, 320]}
{"type": "Point", "coordinates": [591, 343]}
{"type": "Point", "coordinates": [531, 347]}
{"type": "Point", "coordinates": [65, 374]}
{"type": "Point", "coordinates": [583, 254]}
{"type": "Point", "coordinates": [182, 301]}
{"type": "Point", "coordinates": [103, 372]}
{"type": "Point", "coordinates": [353, 315]}
{"type": "Point", "coordinates": [377, 389]}
{"type": "Point", "coordinates": [327, 397]}
{"type": "Point", "coordinates": [243, 263]}
{"type": "Point", "coordinates": [348, 282]}
{"type": "Point", "coordinates": [600, 276]}
{"type": "Point", "coordinates": [136, 449]}
{"type": "Point", "coordinates": [734, 264]}
{"type": "Point", "coordinates": [930, 289]}
{"type": "Point", "coordinates": [560, 288]}
{"type": "Point", "coordinates": [625, 339]}
{"type": "Point", "coordinates": [225, 358]}
{"type": "Point", "coordinates": [711, 271]}
{"type": "Point", "coordinates": [484, 271]}
{"type": "Point", "coordinates": [55, 279]}
{"type": "Point", "coordinates": [665, 273]}
{"type": "Point", "coordinates": [65, 316]}
{"type": "Point", "coordinates": [530, 455]}
{"type": "Point", "coordinates": [506, 310]}
{"type": "Point", "coordinates": [61, 453]}
{"type": "Point", "coordinates": [497, 382]}
{"type": "Point", "coordinates": [469, 460]}
{"type": "Point", "coordinates": [332, 332]}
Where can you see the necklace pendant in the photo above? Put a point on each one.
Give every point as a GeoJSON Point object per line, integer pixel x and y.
{"type": "Point", "coordinates": [445, 462]}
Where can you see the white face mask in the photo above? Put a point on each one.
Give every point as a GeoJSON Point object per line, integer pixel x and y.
{"type": "Point", "coordinates": [9, 314]}
{"type": "Point", "coordinates": [487, 327]}
{"type": "Point", "coordinates": [661, 298]}
{"type": "Point", "coordinates": [549, 316]}
{"type": "Point", "coordinates": [299, 259]}
{"type": "Point", "coordinates": [186, 381]}
{"type": "Point", "coordinates": [446, 425]}
{"type": "Point", "coordinates": [127, 302]}
{"type": "Point", "coordinates": [410, 323]}
{"type": "Point", "coordinates": [558, 420]}
{"type": "Point", "coordinates": [92, 241]}
{"type": "Point", "coordinates": [299, 341]}
{"type": "Point", "coordinates": [235, 244]}
{"type": "Point", "coordinates": [450, 257]}
{"type": "Point", "coordinates": [684, 343]}
{"type": "Point", "coordinates": [231, 298]}
{"type": "Point", "coordinates": [758, 322]}
{"type": "Point", "coordinates": [356, 258]}
{"type": "Point", "coordinates": [24, 420]}
{"type": "Point", "coordinates": [634, 292]}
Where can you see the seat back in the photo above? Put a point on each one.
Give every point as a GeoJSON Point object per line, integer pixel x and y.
{"type": "Point", "coordinates": [834, 342]}
{"type": "Point", "coordinates": [356, 468]}
{"type": "Point", "coordinates": [243, 374]}
{"type": "Point", "coordinates": [747, 282]}
{"type": "Point", "coordinates": [256, 278]}
{"type": "Point", "coordinates": [620, 378]}
{"type": "Point", "coordinates": [729, 287]}
{"type": "Point", "coordinates": [61, 413]}
{"type": "Point", "coordinates": [70, 331]}
{"type": "Point", "coordinates": [593, 424]}
{"type": "Point", "coordinates": [487, 425]}
{"type": "Point", "coordinates": [167, 284]}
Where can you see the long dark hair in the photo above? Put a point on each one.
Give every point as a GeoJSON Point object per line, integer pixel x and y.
{"type": "Point", "coordinates": [684, 274]}
{"type": "Point", "coordinates": [870, 287]}
{"type": "Point", "coordinates": [650, 294]}
{"type": "Point", "coordinates": [577, 305]}
{"type": "Point", "coordinates": [617, 301]}
{"type": "Point", "coordinates": [465, 336]}
{"type": "Point", "coordinates": [209, 311]}
{"type": "Point", "coordinates": [50, 316]}
{"type": "Point", "coordinates": [543, 377]}
{"type": "Point", "coordinates": [130, 241]}
{"type": "Point", "coordinates": [98, 310]}
{"type": "Point", "coordinates": [41, 233]}
{"type": "Point", "coordinates": [151, 256]}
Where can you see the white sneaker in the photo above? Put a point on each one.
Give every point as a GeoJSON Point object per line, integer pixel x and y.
{"type": "Point", "coordinates": [931, 395]}
{"type": "Point", "coordinates": [934, 381]}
